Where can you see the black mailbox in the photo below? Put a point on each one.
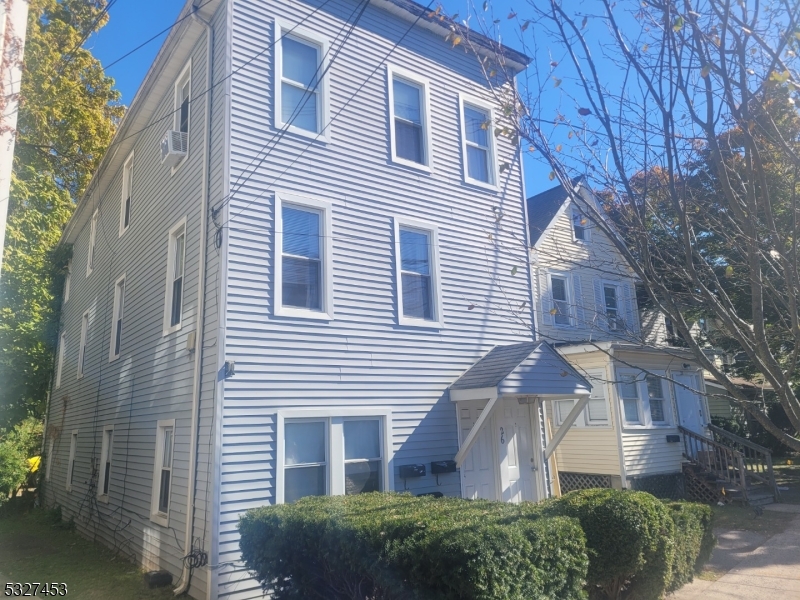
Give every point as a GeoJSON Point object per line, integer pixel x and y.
{"type": "Point", "coordinates": [408, 471]}
{"type": "Point", "coordinates": [673, 439]}
{"type": "Point", "coordinates": [443, 466]}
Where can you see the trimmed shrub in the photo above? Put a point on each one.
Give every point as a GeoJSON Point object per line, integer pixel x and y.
{"type": "Point", "coordinates": [628, 534]}
{"type": "Point", "coordinates": [694, 540]}
{"type": "Point", "coordinates": [395, 546]}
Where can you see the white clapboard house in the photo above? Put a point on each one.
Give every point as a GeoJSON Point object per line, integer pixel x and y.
{"type": "Point", "coordinates": [629, 435]}
{"type": "Point", "coordinates": [289, 278]}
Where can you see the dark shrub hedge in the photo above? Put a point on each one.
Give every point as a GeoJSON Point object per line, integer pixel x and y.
{"type": "Point", "coordinates": [394, 546]}
{"type": "Point", "coordinates": [694, 540]}
{"type": "Point", "coordinates": [628, 534]}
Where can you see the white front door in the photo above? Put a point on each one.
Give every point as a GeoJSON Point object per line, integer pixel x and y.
{"type": "Point", "coordinates": [477, 471]}
{"type": "Point", "coordinates": [515, 451]}
{"type": "Point", "coordinates": [690, 406]}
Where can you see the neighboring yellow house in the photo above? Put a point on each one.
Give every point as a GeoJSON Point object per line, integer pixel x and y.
{"type": "Point", "coordinates": [585, 293]}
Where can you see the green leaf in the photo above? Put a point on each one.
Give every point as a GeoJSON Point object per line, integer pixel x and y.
{"type": "Point", "coordinates": [677, 25]}
{"type": "Point", "coordinates": [705, 71]}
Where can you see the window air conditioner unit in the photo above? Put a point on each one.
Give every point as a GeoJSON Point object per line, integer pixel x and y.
{"type": "Point", "coordinates": [174, 147]}
{"type": "Point", "coordinates": [616, 323]}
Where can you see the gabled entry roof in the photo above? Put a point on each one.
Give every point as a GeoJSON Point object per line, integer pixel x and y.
{"type": "Point", "coordinates": [526, 369]}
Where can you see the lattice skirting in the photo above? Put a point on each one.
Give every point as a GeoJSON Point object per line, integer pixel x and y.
{"type": "Point", "coordinates": [669, 486]}
{"type": "Point", "coordinates": [699, 489]}
{"type": "Point", "coordinates": [582, 481]}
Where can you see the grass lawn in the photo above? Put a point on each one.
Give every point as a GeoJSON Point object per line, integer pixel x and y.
{"type": "Point", "coordinates": [32, 549]}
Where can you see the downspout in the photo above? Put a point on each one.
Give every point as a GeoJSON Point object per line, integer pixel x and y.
{"type": "Point", "coordinates": [198, 347]}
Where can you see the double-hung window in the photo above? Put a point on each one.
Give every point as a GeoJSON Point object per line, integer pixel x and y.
{"type": "Point", "coordinates": [611, 298]}
{"type": "Point", "coordinates": [73, 449]}
{"type": "Point", "coordinates": [303, 255]}
{"type": "Point", "coordinates": [176, 259]}
{"type": "Point", "coordinates": [416, 254]}
{"type": "Point", "coordinates": [299, 81]}
{"type": "Point", "coordinates": [409, 115]}
{"type": "Point", "coordinates": [629, 393]}
{"type": "Point", "coordinates": [116, 320]}
{"type": "Point", "coordinates": [92, 240]}
{"type": "Point", "coordinates": [162, 473]}
{"type": "Point", "coordinates": [559, 288]}
{"type": "Point", "coordinates": [106, 452]}
{"type": "Point", "coordinates": [477, 143]}
{"type": "Point", "coordinates": [127, 191]}
{"type": "Point", "coordinates": [82, 347]}
{"type": "Point", "coordinates": [332, 455]}
{"type": "Point", "coordinates": [596, 411]}
{"type": "Point", "coordinates": [580, 226]}
{"type": "Point", "coordinates": [62, 352]}
{"type": "Point", "coordinates": [655, 394]}
{"type": "Point", "coordinates": [645, 399]}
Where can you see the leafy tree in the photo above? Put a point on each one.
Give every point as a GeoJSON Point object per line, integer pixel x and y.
{"type": "Point", "coordinates": [68, 111]}
{"type": "Point", "coordinates": [16, 447]}
{"type": "Point", "coordinates": [684, 113]}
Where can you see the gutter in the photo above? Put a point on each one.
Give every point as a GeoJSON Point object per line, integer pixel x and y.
{"type": "Point", "coordinates": [198, 348]}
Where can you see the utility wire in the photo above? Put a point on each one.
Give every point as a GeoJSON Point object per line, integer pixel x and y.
{"type": "Point", "coordinates": [380, 64]}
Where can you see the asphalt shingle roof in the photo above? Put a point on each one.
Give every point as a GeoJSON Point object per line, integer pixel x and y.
{"type": "Point", "coordinates": [543, 207]}
{"type": "Point", "coordinates": [495, 366]}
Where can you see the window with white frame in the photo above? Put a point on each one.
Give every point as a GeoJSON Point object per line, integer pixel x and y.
{"type": "Point", "coordinates": [611, 297]}
{"type": "Point", "coordinates": [629, 393]}
{"type": "Point", "coordinates": [116, 320]}
{"type": "Point", "coordinates": [62, 352]}
{"type": "Point", "coordinates": [580, 226]}
{"type": "Point", "coordinates": [408, 108]}
{"type": "Point", "coordinates": [68, 281]}
{"type": "Point", "coordinates": [655, 394]}
{"type": "Point", "coordinates": [417, 265]}
{"type": "Point", "coordinates": [73, 448]}
{"type": "Point", "coordinates": [300, 77]}
{"type": "Point", "coordinates": [82, 346]}
{"type": "Point", "coordinates": [183, 93]}
{"type": "Point", "coordinates": [92, 239]}
{"type": "Point", "coordinates": [162, 474]}
{"type": "Point", "coordinates": [303, 248]}
{"type": "Point", "coordinates": [127, 192]}
{"type": "Point", "coordinates": [337, 455]}
{"type": "Point", "coordinates": [477, 142]}
{"type": "Point", "coordinates": [596, 412]}
{"type": "Point", "coordinates": [645, 399]}
{"type": "Point", "coordinates": [51, 444]}
{"type": "Point", "coordinates": [559, 289]}
{"type": "Point", "coordinates": [176, 259]}
{"type": "Point", "coordinates": [106, 452]}
{"type": "Point", "coordinates": [562, 408]}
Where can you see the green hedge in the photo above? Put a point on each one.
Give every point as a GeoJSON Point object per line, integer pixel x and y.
{"type": "Point", "coordinates": [394, 546]}
{"type": "Point", "coordinates": [694, 540]}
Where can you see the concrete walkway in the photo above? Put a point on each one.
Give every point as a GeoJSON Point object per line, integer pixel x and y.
{"type": "Point", "coordinates": [758, 568]}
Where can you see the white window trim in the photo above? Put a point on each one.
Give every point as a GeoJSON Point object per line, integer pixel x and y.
{"type": "Point", "coordinates": [493, 170]}
{"type": "Point", "coordinates": [644, 400]}
{"type": "Point", "coordinates": [119, 303]}
{"type": "Point", "coordinates": [438, 317]}
{"type": "Point", "coordinates": [186, 74]}
{"type": "Point", "coordinates": [335, 417]}
{"type": "Point", "coordinates": [92, 240]}
{"type": "Point", "coordinates": [73, 449]}
{"type": "Point", "coordinates": [325, 208]}
{"type": "Point", "coordinates": [50, 448]}
{"type": "Point", "coordinates": [173, 232]}
{"type": "Point", "coordinates": [621, 311]}
{"type": "Point", "coordinates": [391, 73]}
{"type": "Point", "coordinates": [67, 281]}
{"type": "Point", "coordinates": [128, 164]}
{"type": "Point", "coordinates": [573, 321]}
{"type": "Point", "coordinates": [587, 234]}
{"type": "Point", "coordinates": [106, 453]}
{"type": "Point", "coordinates": [323, 106]}
{"type": "Point", "coordinates": [62, 351]}
{"type": "Point", "coordinates": [155, 515]}
{"type": "Point", "coordinates": [82, 346]}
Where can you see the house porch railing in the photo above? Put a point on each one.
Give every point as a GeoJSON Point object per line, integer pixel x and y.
{"type": "Point", "coordinates": [757, 459]}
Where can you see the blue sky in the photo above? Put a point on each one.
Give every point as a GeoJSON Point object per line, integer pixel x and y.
{"type": "Point", "coordinates": [132, 22]}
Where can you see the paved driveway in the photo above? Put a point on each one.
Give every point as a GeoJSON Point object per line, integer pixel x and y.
{"type": "Point", "coordinates": [760, 571]}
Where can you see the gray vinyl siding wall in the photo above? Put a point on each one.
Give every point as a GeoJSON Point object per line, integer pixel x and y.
{"type": "Point", "coordinates": [362, 357]}
{"type": "Point", "coordinates": [153, 377]}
